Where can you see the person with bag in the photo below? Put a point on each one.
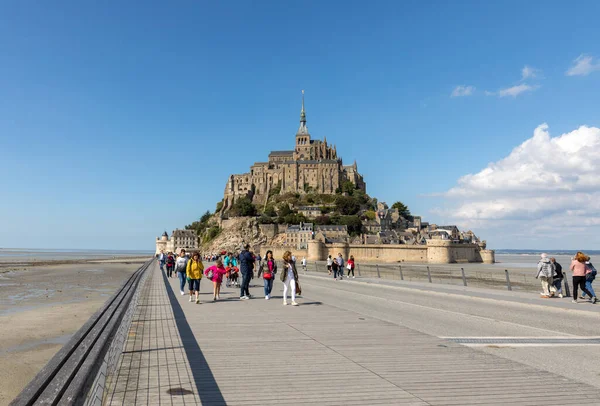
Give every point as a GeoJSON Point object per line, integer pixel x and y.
{"type": "Point", "coordinates": [268, 272]}
{"type": "Point", "coordinates": [194, 270]}
{"type": "Point", "coordinates": [350, 266]}
{"type": "Point", "coordinates": [589, 278]}
{"type": "Point", "coordinates": [180, 269]}
{"type": "Point", "coordinates": [546, 273]}
{"type": "Point", "coordinates": [289, 277]}
{"type": "Point", "coordinates": [580, 270]}
{"type": "Point", "coordinates": [215, 274]}
{"type": "Point", "coordinates": [170, 264]}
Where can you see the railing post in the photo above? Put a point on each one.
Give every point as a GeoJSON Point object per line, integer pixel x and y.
{"type": "Point", "coordinates": [567, 290]}
{"type": "Point", "coordinates": [462, 270]}
{"type": "Point", "coordinates": [507, 280]}
{"type": "Point", "coordinates": [358, 269]}
{"type": "Point", "coordinates": [401, 274]}
{"type": "Point", "coordinates": [378, 274]}
{"type": "Point", "coordinates": [429, 275]}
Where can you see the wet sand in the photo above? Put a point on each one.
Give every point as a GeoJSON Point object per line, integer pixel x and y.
{"type": "Point", "coordinates": [41, 306]}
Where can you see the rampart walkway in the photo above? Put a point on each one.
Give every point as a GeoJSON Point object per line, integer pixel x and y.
{"type": "Point", "coordinates": [259, 352]}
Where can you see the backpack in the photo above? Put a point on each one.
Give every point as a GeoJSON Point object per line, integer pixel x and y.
{"type": "Point", "coordinates": [591, 276]}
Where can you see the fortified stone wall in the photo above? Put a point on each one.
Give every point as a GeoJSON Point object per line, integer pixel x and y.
{"type": "Point", "coordinates": [269, 230]}
{"type": "Point", "coordinates": [278, 252]}
{"type": "Point", "coordinates": [435, 252]}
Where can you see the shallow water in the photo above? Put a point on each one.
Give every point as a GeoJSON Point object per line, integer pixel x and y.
{"type": "Point", "coordinates": [21, 254]}
{"type": "Point", "coordinates": [33, 344]}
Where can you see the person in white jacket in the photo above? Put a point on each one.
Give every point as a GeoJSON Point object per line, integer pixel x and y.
{"type": "Point", "coordinates": [546, 273]}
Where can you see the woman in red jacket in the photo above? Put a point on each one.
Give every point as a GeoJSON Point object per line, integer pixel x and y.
{"type": "Point", "coordinates": [350, 266]}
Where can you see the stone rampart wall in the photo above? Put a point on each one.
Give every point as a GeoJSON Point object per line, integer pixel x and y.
{"type": "Point", "coordinates": [435, 252]}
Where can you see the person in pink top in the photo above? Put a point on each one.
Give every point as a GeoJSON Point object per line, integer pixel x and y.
{"type": "Point", "coordinates": [580, 269]}
{"type": "Point", "coordinates": [217, 271]}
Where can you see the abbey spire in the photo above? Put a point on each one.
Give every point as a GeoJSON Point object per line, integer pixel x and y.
{"type": "Point", "coordinates": [302, 129]}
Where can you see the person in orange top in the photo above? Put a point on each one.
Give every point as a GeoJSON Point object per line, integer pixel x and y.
{"type": "Point", "coordinates": [580, 269]}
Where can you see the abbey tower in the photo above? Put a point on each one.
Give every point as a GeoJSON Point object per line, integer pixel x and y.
{"type": "Point", "coordinates": [312, 166]}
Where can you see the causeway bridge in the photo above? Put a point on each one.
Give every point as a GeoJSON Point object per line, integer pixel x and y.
{"type": "Point", "coordinates": [363, 341]}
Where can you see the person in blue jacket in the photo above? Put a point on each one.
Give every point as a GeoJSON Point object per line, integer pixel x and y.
{"type": "Point", "coordinates": [247, 271]}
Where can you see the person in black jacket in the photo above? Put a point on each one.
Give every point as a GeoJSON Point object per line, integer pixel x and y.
{"type": "Point", "coordinates": [558, 277]}
{"type": "Point", "coordinates": [247, 271]}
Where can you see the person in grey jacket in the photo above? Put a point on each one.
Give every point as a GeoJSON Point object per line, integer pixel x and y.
{"type": "Point", "coordinates": [340, 262]}
{"type": "Point", "coordinates": [545, 273]}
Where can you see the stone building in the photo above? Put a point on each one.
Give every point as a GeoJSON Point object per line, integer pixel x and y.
{"type": "Point", "coordinates": [299, 235]}
{"type": "Point", "coordinates": [179, 239]}
{"type": "Point", "coordinates": [312, 166]}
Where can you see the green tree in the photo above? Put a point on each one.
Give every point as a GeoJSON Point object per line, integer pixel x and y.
{"type": "Point", "coordinates": [283, 210]}
{"type": "Point", "coordinates": [219, 206]}
{"type": "Point", "coordinates": [243, 207]}
{"type": "Point", "coordinates": [323, 220]}
{"type": "Point", "coordinates": [370, 215]}
{"type": "Point", "coordinates": [348, 187]}
{"type": "Point", "coordinates": [294, 218]}
{"type": "Point", "coordinates": [264, 219]}
{"type": "Point", "coordinates": [270, 211]}
{"type": "Point", "coordinates": [353, 223]}
{"type": "Point", "coordinates": [275, 190]}
{"type": "Point", "coordinates": [347, 205]}
{"type": "Point", "coordinates": [402, 209]}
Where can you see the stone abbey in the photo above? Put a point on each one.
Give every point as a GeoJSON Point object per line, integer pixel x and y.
{"type": "Point", "coordinates": [312, 166]}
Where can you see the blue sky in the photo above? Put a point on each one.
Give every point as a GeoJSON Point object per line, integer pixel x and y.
{"type": "Point", "coordinates": [123, 119]}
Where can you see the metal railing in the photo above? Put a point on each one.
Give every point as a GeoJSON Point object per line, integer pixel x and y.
{"type": "Point", "coordinates": [448, 275]}
{"type": "Point", "coordinates": [76, 375]}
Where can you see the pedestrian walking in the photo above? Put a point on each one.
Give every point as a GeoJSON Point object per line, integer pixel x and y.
{"type": "Point", "coordinates": [350, 266]}
{"type": "Point", "coordinates": [289, 277]}
{"type": "Point", "coordinates": [269, 272]}
{"type": "Point", "coordinates": [335, 268]}
{"type": "Point", "coordinates": [340, 263]}
{"type": "Point", "coordinates": [329, 264]}
{"type": "Point", "coordinates": [246, 261]}
{"type": "Point", "coordinates": [180, 268]}
{"type": "Point", "coordinates": [194, 270]}
{"type": "Point", "coordinates": [303, 262]}
{"type": "Point", "coordinates": [558, 277]}
{"type": "Point", "coordinates": [589, 278]}
{"type": "Point", "coordinates": [545, 272]}
{"type": "Point", "coordinates": [170, 264]}
{"type": "Point", "coordinates": [580, 270]}
{"type": "Point", "coordinates": [162, 259]}
{"type": "Point", "coordinates": [215, 274]}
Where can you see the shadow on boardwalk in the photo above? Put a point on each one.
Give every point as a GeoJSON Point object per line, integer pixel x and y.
{"type": "Point", "coordinates": [208, 388]}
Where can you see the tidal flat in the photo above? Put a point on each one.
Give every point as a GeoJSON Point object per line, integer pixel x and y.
{"type": "Point", "coordinates": [41, 307]}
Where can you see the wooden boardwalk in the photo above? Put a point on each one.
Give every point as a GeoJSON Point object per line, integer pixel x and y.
{"type": "Point", "coordinates": [258, 352]}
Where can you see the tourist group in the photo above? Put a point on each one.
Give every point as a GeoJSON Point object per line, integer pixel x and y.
{"type": "Point", "coordinates": [551, 276]}
{"type": "Point", "coordinates": [191, 269]}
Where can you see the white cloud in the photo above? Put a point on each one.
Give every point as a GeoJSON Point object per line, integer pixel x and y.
{"type": "Point", "coordinates": [462, 90]}
{"type": "Point", "coordinates": [545, 185]}
{"type": "Point", "coordinates": [488, 93]}
{"type": "Point", "coordinates": [583, 66]}
{"type": "Point", "coordinates": [516, 90]}
{"type": "Point", "coordinates": [529, 73]}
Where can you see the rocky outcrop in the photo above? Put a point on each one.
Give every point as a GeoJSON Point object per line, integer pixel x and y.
{"type": "Point", "coordinates": [235, 232]}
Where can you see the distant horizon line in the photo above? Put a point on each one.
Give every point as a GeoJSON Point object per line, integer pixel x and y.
{"type": "Point", "coordinates": [74, 249]}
